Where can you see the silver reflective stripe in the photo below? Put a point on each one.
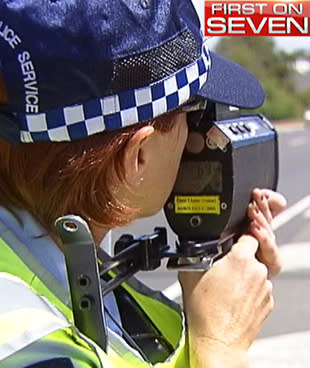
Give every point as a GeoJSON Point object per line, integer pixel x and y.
{"type": "Point", "coordinates": [24, 316]}
{"type": "Point", "coordinates": [31, 262]}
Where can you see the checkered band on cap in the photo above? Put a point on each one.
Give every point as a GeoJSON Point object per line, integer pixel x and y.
{"type": "Point", "coordinates": [118, 110]}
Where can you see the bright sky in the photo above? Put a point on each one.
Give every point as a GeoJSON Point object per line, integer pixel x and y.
{"type": "Point", "coordinates": [293, 43]}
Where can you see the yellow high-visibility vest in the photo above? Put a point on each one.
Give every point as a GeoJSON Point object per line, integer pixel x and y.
{"type": "Point", "coordinates": [35, 325]}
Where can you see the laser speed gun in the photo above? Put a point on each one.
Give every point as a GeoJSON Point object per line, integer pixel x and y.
{"type": "Point", "coordinates": [226, 157]}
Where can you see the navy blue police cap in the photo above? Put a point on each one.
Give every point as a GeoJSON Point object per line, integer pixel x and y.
{"type": "Point", "coordinates": [74, 68]}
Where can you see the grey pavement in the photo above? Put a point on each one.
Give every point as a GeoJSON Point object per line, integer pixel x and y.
{"type": "Point", "coordinates": [285, 351]}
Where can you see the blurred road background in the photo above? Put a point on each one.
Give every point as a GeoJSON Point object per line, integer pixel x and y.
{"type": "Point", "coordinates": [285, 339]}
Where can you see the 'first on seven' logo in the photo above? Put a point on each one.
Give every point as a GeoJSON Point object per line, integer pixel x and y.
{"type": "Point", "coordinates": [257, 18]}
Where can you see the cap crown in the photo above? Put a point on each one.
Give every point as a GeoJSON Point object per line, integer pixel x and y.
{"type": "Point", "coordinates": [74, 68]}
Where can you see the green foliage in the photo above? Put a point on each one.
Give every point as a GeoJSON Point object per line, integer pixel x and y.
{"type": "Point", "coordinates": [274, 70]}
{"type": "Point", "coordinates": [280, 103]}
{"type": "Point", "coordinates": [305, 98]}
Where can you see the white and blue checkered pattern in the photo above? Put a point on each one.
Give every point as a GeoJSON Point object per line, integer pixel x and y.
{"type": "Point", "coordinates": [117, 111]}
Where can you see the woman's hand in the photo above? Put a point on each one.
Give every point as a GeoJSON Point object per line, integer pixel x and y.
{"type": "Point", "coordinates": [226, 306]}
{"type": "Point", "coordinates": [265, 206]}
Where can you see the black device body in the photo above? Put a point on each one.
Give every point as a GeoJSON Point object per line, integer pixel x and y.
{"type": "Point", "coordinates": [223, 162]}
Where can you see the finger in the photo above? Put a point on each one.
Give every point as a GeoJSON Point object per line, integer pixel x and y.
{"type": "Point", "coordinates": [268, 252]}
{"type": "Point", "coordinates": [277, 202]}
{"type": "Point", "coordinates": [247, 244]}
{"type": "Point", "coordinates": [273, 268]}
{"type": "Point", "coordinates": [256, 215]}
{"type": "Point", "coordinates": [263, 204]}
{"type": "Point", "coordinates": [266, 239]}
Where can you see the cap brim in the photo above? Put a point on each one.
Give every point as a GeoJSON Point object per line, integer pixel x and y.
{"type": "Point", "coordinates": [231, 84]}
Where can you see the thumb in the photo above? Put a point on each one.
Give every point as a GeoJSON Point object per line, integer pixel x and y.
{"type": "Point", "coordinates": [247, 244]}
{"type": "Point", "coordinates": [276, 201]}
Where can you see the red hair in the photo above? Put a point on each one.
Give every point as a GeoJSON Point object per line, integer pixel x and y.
{"type": "Point", "coordinates": [53, 179]}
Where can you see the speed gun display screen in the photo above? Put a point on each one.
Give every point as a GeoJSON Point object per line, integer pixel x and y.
{"type": "Point", "coordinates": [197, 204]}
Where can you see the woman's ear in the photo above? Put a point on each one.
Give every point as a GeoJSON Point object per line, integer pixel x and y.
{"type": "Point", "coordinates": [136, 155]}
